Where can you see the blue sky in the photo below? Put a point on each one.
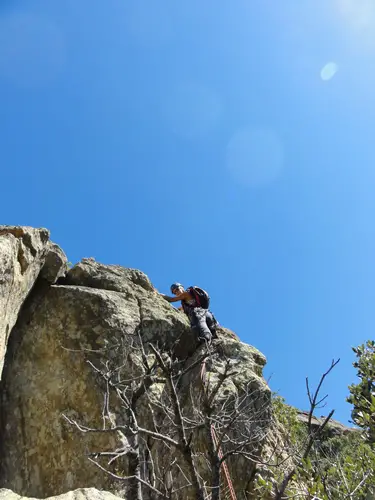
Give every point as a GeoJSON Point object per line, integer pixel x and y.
{"type": "Point", "coordinates": [207, 143]}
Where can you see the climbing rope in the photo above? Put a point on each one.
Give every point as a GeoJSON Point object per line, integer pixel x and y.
{"type": "Point", "coordinates": [216, 442]}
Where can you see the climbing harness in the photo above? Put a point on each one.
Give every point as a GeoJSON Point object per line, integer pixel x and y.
{"type": "Point", "coordinates": [232, 493]}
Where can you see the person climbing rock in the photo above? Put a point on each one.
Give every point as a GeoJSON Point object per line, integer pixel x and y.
{"type": "Point", "coordinates": [195, 303]}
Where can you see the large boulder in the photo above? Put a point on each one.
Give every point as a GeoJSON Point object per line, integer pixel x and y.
{"type": "Point", "coordinates": [90, 319]}
{"type": "Point", "coordinates": [25, 254]}
{"type": "Point", "coordinates": [47, 375]}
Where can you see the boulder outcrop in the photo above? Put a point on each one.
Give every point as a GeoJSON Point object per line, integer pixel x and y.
{"type": "Point", "coordinates": [61, 329]}
{"type": "Point", "coordinates": [25, 254]}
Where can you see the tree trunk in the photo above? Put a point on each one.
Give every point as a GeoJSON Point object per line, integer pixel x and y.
{"type": "Point", "coordinates": [135, 486]}
{"type": "Point", "coordinates": [215, 480]}
{"type": "Point", "coordinates": [215, 463]}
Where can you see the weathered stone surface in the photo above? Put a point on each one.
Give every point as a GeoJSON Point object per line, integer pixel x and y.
{"type": "Point", "coordinates": [55, 263]}
{"type": "Point", "coordinates": [334, 428]}
{"type": "Point", "coordinates": [79, 494]}
{"type": "Point", "coordinates": [25, 253]}
{"type": "Point", "coordinates": [99, 309]}
{"type": "Point", "coordinates": [92, 274]}
{"type": "Point", "coordinates": [135, 285]}
{"type": "Point", "coordinates": [47, 375]}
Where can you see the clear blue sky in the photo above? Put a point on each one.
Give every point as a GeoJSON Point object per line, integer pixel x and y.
{"type": "Point", "coordinates": [225, 144]}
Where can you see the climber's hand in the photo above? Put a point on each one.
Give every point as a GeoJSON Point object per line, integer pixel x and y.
{"type": "Point", "coordinates": [166, 297]}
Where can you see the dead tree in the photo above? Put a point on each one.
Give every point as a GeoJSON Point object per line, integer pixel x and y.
{"type": "Point", "coordinates": [152, 368]}
{"type": "Point", "coordinates": [228, 422]}
{"type": "Point", "coordinates": [313, 433]}
{"type": "Point", "coordinates": [128, 392]}
{"type": "Point", "coordinates": [234, 427]}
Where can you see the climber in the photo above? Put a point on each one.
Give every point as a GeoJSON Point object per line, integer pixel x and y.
{"type": "Point", "coordinates": [195, 303]}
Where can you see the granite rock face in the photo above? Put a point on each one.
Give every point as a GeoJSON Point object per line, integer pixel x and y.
{"type": "Point", "coordinates": [25, 254]}
{"type": "Point", "coordinates": [91, 318]}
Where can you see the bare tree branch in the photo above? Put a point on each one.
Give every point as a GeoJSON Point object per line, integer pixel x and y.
{"type": "Point", "coordinates": [313, 435]}
{"type": "Point", "coordinates": [127, 478]}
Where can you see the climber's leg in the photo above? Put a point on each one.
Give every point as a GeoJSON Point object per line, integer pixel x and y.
{"type": "Point", "coordinates": [199, 324]}
{"type": "Point", "coordinates": [211, 323]}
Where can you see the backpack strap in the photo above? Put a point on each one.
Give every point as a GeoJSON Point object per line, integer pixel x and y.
{"type": "Point", "coordinates": [196, 297]}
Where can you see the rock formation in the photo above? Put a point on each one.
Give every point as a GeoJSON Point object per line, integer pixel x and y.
{"type": "Point", "coordinates": [25, 254]}
{"type": "Point", "coordinates": [57, 327]}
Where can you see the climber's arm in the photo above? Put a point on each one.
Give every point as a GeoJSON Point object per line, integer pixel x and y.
{"type": "Point", "coordinates": [183, 296]}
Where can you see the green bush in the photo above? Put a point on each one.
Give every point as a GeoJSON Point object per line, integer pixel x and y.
{"type": "Point", "coordinates": [362, 395]}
